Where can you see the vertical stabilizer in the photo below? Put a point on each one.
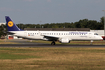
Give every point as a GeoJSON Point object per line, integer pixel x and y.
{"type": "Point", "coordinates": [11, 26]}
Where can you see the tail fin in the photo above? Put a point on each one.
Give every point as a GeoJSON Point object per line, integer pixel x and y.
{"type": "Point", "coordinates": [11, 26]}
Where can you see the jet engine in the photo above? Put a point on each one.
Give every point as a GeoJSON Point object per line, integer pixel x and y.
{"type": "Point", "coordinates": [64, 40]}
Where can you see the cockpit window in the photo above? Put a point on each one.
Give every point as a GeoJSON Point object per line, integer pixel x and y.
{"type": "Point", "coordinates": [95, 34]}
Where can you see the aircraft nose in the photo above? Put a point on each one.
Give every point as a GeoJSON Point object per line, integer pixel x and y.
{"type": "Point", "coordinates": [101, 38]}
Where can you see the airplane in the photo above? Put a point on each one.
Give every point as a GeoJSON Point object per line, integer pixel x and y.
{"type": "Point", "coordinates": [61, 36]}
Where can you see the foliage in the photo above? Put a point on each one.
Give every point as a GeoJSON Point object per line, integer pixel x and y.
{"type": "Point", "coordinates": [84, 23]}
{"type": "Point", "coordinates": [3, 30]}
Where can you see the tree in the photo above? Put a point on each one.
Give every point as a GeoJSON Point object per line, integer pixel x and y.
{"type": "Point", "coordinates": [102, 22]}
{"type": "Point", "coordinates": [2, 30]}
{"type": "Point", "coordinates": [55, 26]}
{"type": "Point", "coordinates": [84, 23]}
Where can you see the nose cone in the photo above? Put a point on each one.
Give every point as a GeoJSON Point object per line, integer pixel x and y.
{"type": "Point", "coordinates": [101, 39]}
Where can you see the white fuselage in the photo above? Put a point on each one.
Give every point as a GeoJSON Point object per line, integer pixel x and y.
{"type": "Point", "coordinates": [70, 35]}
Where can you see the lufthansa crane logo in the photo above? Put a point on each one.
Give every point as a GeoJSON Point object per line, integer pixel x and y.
{"type": "Point", "coordinates": [10, 23]}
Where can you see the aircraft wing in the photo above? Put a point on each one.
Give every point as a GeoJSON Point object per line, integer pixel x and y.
{"type": "Point", "coordinates": [51, 38]}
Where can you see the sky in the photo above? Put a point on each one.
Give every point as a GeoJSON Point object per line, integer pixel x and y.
{"type": "Point", "coordinates": [51, 11]}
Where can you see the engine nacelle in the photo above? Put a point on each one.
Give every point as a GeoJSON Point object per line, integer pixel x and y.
{"type": "Point", "coordinates": [64, 40]}
{"type": "Point", "coordinates": [45, 39]}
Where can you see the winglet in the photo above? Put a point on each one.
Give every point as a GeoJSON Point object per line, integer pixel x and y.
{"type": "Point", "coordinates": [10, 25]}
